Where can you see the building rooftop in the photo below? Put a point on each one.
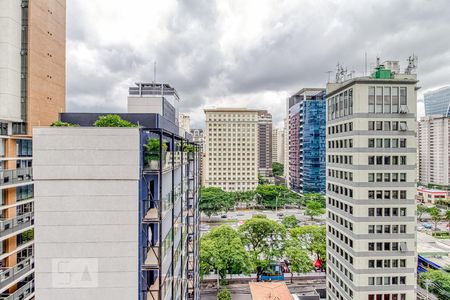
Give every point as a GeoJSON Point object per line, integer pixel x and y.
{"type": "Point", "coordinates": [232, 109]}
{"type": "Point", "coordinates": [427, 190]}
{"type": "Point", "coordinates": [269, 291]}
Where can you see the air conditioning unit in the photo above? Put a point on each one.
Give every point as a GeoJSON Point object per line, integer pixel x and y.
{"type": "Point", "coordinates": [404, 109]}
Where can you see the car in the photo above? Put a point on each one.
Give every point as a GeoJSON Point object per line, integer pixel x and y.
{"type": "Point", "coordinates": [223, 216]}
{"type": "Point", "coordinates": [280, 214]}
{"type": "Point", "coordinates": [427, 226]}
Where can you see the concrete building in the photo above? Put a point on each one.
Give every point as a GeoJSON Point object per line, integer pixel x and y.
{"type": "Point", "coordinates": [437, 102]}
{"type": "Point", "coordinates": [199, 139]}
{"type": "Point", "coordinates": [265, 143]}
{"type": "Point", "coordinates": [185, 122]}
{"type": "Point", "coordinates": [115, 218]}
{"type": "Point", "coordinates": [286, 146]}
{"type": "Point", "coordinates": [278, 145]}
{"type": "Point", "coordinates": [371, 172]}
{"type": "Point", "coordinates": [434, 150]}
{"type": "Point", "coordinates": [307, 119]}
{"type": "Point", "coordinates": [430, 196]}
{"type": "Point", "coordinates": [32, 92]}
{"type": "Point", "coordinates": [231, 148]}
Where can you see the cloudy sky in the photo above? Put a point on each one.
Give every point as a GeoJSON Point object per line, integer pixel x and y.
{"type": "Point", "coordinates": [243, 53]}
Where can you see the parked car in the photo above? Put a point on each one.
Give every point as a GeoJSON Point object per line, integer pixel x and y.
{"type": "Point", "coordinates": [427, 226]}
{"type": "Point", "coordinates": [280, 214]}
{"type": "Point", "coordinates": [223, 216]}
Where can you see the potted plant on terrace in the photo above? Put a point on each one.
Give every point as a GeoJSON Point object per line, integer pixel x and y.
{"type": "Point", "coordinates": [190, 149]}
{"type": "Point", "coordinates": [152, 154]}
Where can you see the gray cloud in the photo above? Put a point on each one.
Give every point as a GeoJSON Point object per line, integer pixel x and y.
{"type": "Point", "coordinates": [224, 53]}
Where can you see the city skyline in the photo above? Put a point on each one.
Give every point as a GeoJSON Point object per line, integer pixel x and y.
{"type": "Point", "coordinates": [209, 65]}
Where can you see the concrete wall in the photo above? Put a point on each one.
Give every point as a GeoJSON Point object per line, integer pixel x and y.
{"type": "Point", "coordinates": [86, 213]}
{"type": "Point", "coordinates": [145, 105]}
{"type": "Point", "coordinates": [10, 45]}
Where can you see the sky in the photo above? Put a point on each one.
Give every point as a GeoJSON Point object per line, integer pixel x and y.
{"type": "Point", "coordinates": [236, 53]}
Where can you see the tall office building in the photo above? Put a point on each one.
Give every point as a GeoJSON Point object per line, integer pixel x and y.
{"type": "Point", "coordinates": [434, 150]}
{"type": "Point", "coordinates": [231, 148]}
{"type": "Point", "coordinates": [371, 172]}
{"type": "Point", "coordinates": [307, 121]}
{"type": "Point", "coordinates": [184, 120]}
{"type": "Point", "coordinates": [278, 145]}
{"type": "Point", "coordinates": [265, 143]}
{"type": "Point", "coordinates": [116, 210]}
{"type": "Point", "coordinates": [32, 92]}
{"type": "Point", "coordinates": [437, 102]}
{"type": "Point", "coordinates": [274, 145]}
{"type": "Point", "coordinates": [286, 146]}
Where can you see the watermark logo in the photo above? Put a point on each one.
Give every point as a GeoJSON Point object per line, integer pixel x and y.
{"type": "Point", "coordinates": [75, 272]}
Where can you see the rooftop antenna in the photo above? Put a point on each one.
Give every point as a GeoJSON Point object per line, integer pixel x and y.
{"type": "Point", "coordinates": [378, 61]}
{"type": "Point", "coordinates": [412, 64]}
{"type": "Point", "coordinates": [154, 71]}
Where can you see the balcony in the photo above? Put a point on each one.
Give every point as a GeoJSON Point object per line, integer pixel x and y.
{"type": "Point", "coordinates": [23, 293]}
{"type": "Point", "coordinates": [15, 176]}
{"type": "Point", "coordinates": [9, 275]}
{"type": "Point", "coordinates": [9, 226]}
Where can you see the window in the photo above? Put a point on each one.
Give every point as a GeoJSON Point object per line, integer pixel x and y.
{"type": "Point", "coordinates": [387, 99]}
{"type": "Point", "coordinates": [379, 99]}
{"type": "Point", "coordinates": [371, 125]}
{"type": "Point", "coordinates": [403, 96]}
{"type": "Point", "coordinates": [395, 100]}
{"type": "Point", "coordinates": [371, 99]}
{"type": "Point", "coordinates": [402, 143]}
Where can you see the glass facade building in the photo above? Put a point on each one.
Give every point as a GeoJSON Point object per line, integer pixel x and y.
{"type": "Point", "coordinates": [438, 102]}
{"type": "Point", "coordinates": [307, 123]}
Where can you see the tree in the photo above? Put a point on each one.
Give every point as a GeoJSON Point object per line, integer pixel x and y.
{"type": "Point", "coordinates": [222, 251]}
{"type": "Point", "coordinates": [214, 200]}
{"type": "Point", "coordinates": [290, 222]}
{"type": "Point", "coordinates": [264, 239]}
{"type": "Point", "coordinates": [314, 197]}
{"type": "Point", "coordinates": [300, 261]}
{"type": "Point", "coordinates": [311, 238]}
{"type": "Point", "coordinates": [314, 209]}
{"type": "Point", "coordinates": [421, 209]}
{"type": "Point", "coordinates": [224, 294]}
{"type": "Point", "coordinates": [435, 215]}
{"type": "Point", "coordinates": [277, 169]}
{"type": "Point", "coordinates": [439, 283]}
{"type": "Point", "coordinates": [113, 121]}
{"type": "Point", "coordinates": [244, 197]}
{"type": "Point", "coordinates": [272, 196]}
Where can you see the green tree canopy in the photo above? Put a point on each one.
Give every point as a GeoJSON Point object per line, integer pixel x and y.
{"type": "Point", "coordinates": [314, 209]}
{"type": "Point", "coordinates": [277, 169]}
{"type": "Point", "coordinates": [439, 283]}
{"type": "Point", "coordinates": [113, 121]}
{"type": "Point", "coordinates": [214, 200]}
{"type": "Point", "coordinates": [264, 238]}
{"type": "Point", "coordinates": [436, 215]}
{"type": "Point", "coordinates": [299, 259]}
{"type": "Point", "coordinates": [421, 209]}
{"type": "Point", "coordinates": [314, 197]}
{"type": "Point", "coordinates": [311, 238]}
{"type": "Point", "coordinates": [222, 251]}
{"type": "Point", "coordinates": [273, 196]}
{"type": "Point", "coordinates": [290, 221]}
{"type": "Point", "coordinates": [224, 294]}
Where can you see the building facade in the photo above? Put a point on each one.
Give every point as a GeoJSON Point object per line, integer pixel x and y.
{"type": "Point", "coordinates": [117, 210]}
{"type": "Point", "coordinates": [431, 196]}
{"type": "Point", "coordinates": [278, 145]}
{"type": "Point", "coordinates": [307, 121]}
{"type": "Point", "coordinates": [199, 139]}
{"type": "Point", "coordinates": [32, 92]}
{"type": "Point", "coordinates": [433, 134]}
{"type": "Point", "coordinates": [437, 102]}
{"type": "Point", "coordinates": [265, 143]}
{"type": "Point", "coordinates": [371, 172]}
{"type": "Point", "coordinates": [231, 149]}
{"type": "Point", "coordinates": [184, 120]}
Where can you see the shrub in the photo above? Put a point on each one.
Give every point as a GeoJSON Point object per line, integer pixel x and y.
{"type": "Point", "coordinates": [152, 149]}
{"type": "Point", "coordinates": [224, 294]}
{"type": "Point", "coordinates": [113, 121]}
{"type": "Point", "coordinates": [63, 124]}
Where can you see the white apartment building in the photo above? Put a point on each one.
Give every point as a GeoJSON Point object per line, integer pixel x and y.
{"type": "Point", "coordinates": [231, 149]}
{"type": "Point", "coordinates": [371, 172]}
{"type": "Point", "coordinates": [184, 121]}
{"type": "Point", "coordinates": [278, 145]}
{"type": "Point", "coordinates": [434, 150]}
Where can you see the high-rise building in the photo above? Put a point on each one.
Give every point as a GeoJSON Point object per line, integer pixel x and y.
{"type": "Point", "coordinates": [117, 210]}
{"type": "Point", "coordinates": [231, 148]}
{"type": "Point", "coordinates": [199, 139]}
{"type": "Point", "coordinates": [278, 145]}
{"type": "Point", "coordinates": [371, 172]}
{"type": "Point", "coordinates": [265, 143]}
{"type": "Point", "coordinates": [437, 102]}
{"type": "Point", "coordinates": [32, 92]}
{"type": "Point", "coordinates": [275, 144]}
{"type": "Point", "coordinates": [286, 146]}
{"type": "Point", "coordinates": [434, 150]}
{"type": "Point", "coordinates": [307, 121]}
{"type": "Point", "coordinates": [185, 122]}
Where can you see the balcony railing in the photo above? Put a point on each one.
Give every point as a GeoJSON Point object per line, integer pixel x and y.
{"type": "Point", "coordinates": [23, 292]}
{"type": "Point", "coordinates": [21, 175]}
{"type": "Point", "coordinates": [151, 261]}
{"type": "Point", "coordinates": [9, 275]}
{"type": "Point", "coordinates": [8, 226]}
